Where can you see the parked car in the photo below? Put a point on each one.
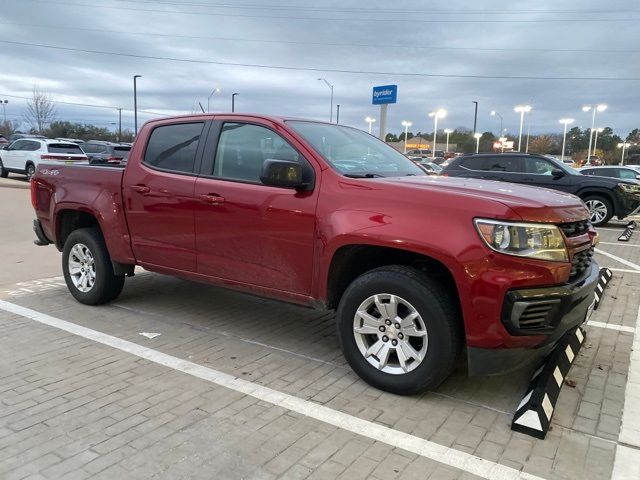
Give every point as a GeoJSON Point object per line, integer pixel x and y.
{"type": "Point", "coordinates": [329, 217]}
{"type": "Point", "coordinates": [24, 155]}
{"type": "Point", "coordinates": [105, 152]}
{"type": "Point", "coordinates": [605, 197]}
{"type": "Point", "coordinates": [626, 173]}
{"type": "Point", "coordinates": [422, 153]}
{"type": "Point", "coordinates": [3, 142]}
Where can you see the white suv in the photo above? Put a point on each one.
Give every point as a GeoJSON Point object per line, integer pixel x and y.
{"type": "Point", "coordinates": [25, 154]}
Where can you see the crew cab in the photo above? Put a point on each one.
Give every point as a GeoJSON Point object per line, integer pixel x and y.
{"type": "Point", "coordinates": [418, 268]}
{"type": "Point", "coordinates": [605, 197]}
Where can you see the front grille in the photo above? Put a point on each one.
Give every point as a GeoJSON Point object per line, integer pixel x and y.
{"type": "Point", "coordinates": [574, 229]}
{"type": "Point", "coordinates": [580, 262]}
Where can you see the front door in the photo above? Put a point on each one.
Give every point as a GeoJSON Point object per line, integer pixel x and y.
{"type": "Point", "coordinates": [14, 157]}
{"type": "Point", "coordinates": [539, 172]}
{"type": "Point", "coordinates": [158, 194]}
{"type": "Point", "coordinates": [248, 232]}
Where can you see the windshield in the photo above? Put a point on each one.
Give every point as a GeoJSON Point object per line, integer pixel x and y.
{"type": "Point", "coordinates": [355, 153]}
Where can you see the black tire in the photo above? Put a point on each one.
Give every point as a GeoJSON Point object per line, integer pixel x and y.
{"type": "Point", "coordinates": [437, 308]}
{"type": "Point", "coordinates": [602, 202]}
{"type": "Point", "coordinates": [29, 170]}
{"type": "Point", "coordinates": [107, 286]}
{"type": "Point", "coordinates": [4, 173]}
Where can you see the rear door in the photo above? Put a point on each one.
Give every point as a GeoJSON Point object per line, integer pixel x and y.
{"type": "Point", "coordinates": [158, 193]}
{"type": "Point", "coordinates": [248, 232]}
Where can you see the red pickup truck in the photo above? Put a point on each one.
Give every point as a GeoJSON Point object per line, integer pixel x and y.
{"type": "Point", "coordinates": [417, 267]}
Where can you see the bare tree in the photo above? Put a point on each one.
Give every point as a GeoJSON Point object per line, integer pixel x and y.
{"type": "Point", "coordinates": [41, 110]}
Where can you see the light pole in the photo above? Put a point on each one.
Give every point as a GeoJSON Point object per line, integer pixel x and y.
{"type": "Point", "coordinates": [215, 90]}
{"type": "Point", "coordinates": [4, 109]}
{"type": "Point", "coordinates": [331, 87]}
{"type": "Point", "coordinates": [595, 142]}
{"type": "Point", "coordinates": [475, 117]}
{"type": "Point", "coordinates": [624, 146]}
{"type": "Point", "coordinates": [440, 113]}
{"type": "Point", "coordinates": [135, 103]}
{"type": "Point", "coordinates": [406, 124]}
{"type": "Point", "coordinates": [371, 121]}
{"type": "Point", "coordinates": [596, 108]}
{"type": "Point", "coordinates": [526, 148]}
{"type": "Point", "coordinates": [233, 102]}
{"type": "Point", "coordinates": [521, 109]}
{"type": "Point", "coordinates": [448, 131]}
{"type": "Point", "coordinates": [338, 114]}
{"type": "Point", "coordinates": [477, 137]}
{"type": "Point", "coordinates": [493, 114]}
{"type": "Point", "coordinates": [119, 125]}
{"type": "Point", "coordinates": [565, 122]}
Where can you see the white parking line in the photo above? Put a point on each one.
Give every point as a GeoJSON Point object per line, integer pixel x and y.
{"type": "Point", "coordinates": [433, 451]}
{"type": "Point", "coordinates": [623, 270]}
{"type": "Point", "coordinates": [620, 244]}
{"type": "Point", "coordinates": [627, 461]}
{"type": "Point", "coordinates": [611, 326]}
{"type": "Point", "coordinates": [618, 259]}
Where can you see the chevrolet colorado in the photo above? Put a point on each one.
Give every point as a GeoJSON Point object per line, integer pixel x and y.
{"type": "Point", "coordinates": [418, 268]}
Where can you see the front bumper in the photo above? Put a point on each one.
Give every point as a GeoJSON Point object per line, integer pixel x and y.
{"type": "Point", "coordinates": [553, 311]}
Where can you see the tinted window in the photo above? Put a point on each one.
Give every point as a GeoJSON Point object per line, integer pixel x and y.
{"type": "Point", "coordinates": [173, 147]}
{"type": "Point", "coordinates": [32, 146]}
{"type": "Point", "coordinates": [538, 166]}
{"type": "Point", "coordinates": [64, 148]}
{"type": "Point", "coordinates": [627, 174]}
{"type": "Point", "coordinates": [474, 163]}
{"type": "Point", "coordinates": [589, 171]}
{"type": "Point", "coordinates": [243, 148]}
{"type": "Point", "coordinates": [89, 148]}
{"type": "Point", "coordinates": [503, 164]}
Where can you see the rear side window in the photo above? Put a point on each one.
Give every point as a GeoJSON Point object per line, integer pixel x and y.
{"type": "Point", "coordinates": [474, 163]}
{"type": "Point", "coordinates": [32, 146]}
{"type": "Point", "coordinates": [503, 164]}
{"type": "Point", "coordinates": [89, 148]}
{"type": "Point", "coordinates": [588, 172]}
{"type": "Point", "coordinates": [70, 148]}
{"type": "Point", "coordinates": [173, 147]}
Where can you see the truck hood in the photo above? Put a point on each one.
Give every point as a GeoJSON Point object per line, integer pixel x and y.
{"type": "Point", "coordinates": [529, 203]}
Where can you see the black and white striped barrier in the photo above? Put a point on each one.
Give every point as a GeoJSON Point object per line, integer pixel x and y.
{"type": "Point", "coordinates": [533, 415]}
{"type": "Point", "coordinates": [605, 278]}
{"type": "Point", "coordinates": [628, 231]}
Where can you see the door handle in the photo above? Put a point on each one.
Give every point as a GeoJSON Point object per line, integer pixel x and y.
{"type": "Point", "coordinates": [143, 189]}
{"type": "Point", "coordinates": [212, 198]}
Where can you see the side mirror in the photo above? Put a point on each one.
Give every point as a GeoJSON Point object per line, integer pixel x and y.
{"type": "Point", "coordinates": [283, 173]}
{"type": "Point", "coordinates": [557, 173]}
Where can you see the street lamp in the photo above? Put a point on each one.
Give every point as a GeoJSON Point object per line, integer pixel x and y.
{"type": "Point", "coordinates": [448, 131]}
{"type": "Point", "coordinates": [565, 122]}
{"type": "Point", "coordinates": [595, 142]}
{"type": "Point", "coordinates": [371, 121]}
{"type": "Point", "coordinates": [331, 87]}
{"type": "Point", "coordinates": [595, 108]}
{"type": "Point", "coordinates": [493, 114]}
{"type": "Point", "coordinates": [233, 102]}
{"type": "Point", "coordinates": [135, 103]}
{"type": "Point", "coordinates": [477, 137]}
{"type": "Point", "coordinates": [624, 146]}
{"type": "Point", "coordinates": [521, 109]}
{"type": "Point", "coordinates": [440, 113]}
{"type": "Point", "coordinates": [406, 124]}
{"type": "Point", "coordinates": [4, 109]}
{"type": "Point", "coordinates": [215, 90]}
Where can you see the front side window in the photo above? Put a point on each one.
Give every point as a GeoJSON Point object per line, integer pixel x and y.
{"type": "Point", "coordinates": [627, 174]}
{"type": "Point", "coordinates": [174, 147]}
{"type": "Point", "coordinates": [18, 145]}
{"type": "Point", "coordinates": [355, 153]}
{"type": "Point", "coordinates": [538, 166]}
{"type": "Point", "coordinates": [243, 148]}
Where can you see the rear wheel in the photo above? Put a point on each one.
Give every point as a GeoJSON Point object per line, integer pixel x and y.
{"type": "Point", "coordinates": [4, 173]}
{"type": "Point", "coordinates": [29, 171]}
{"type": "Point", "coordinates": [87, 268]}
{"type": "Point", "coordinates": [399, 330]}
{"type": "Point", "coordinates": [600, 208]}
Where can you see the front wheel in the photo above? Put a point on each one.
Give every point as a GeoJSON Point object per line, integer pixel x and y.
{"type": "Point", "coordinates": [87, 268]}
{"type": "Point", "coordinates": [399, 330]}
{"type": "Point", "coordinates": [600, 208]}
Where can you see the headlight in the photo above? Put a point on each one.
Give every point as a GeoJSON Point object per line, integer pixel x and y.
{"type": "Point", "coordinates": [629, 188]}
{"type": "Point", "coordinates": [533, 240]}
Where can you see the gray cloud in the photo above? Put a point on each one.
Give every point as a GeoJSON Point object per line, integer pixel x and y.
{"type": "Point", "coordinates": [173, 87]}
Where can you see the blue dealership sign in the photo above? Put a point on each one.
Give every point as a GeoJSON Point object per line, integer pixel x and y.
{"type": "Point", "coordinates": [385, 94]}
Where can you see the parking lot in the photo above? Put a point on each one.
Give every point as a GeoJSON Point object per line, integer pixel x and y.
{"type": "Point", "coordinates": [225, 385]}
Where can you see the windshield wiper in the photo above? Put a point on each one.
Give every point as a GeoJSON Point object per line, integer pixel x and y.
{"type": "Point", "coordinates": [363, 175]}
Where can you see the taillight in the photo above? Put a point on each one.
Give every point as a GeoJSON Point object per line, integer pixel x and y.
{"type": "Point", "coordinates": [444, 174]}
{"type": "Point", "coordinates": [34, 201]}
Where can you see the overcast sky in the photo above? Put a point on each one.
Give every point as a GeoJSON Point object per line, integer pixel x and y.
{"type": "Point", "coordinates": [443, 38]}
